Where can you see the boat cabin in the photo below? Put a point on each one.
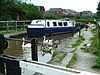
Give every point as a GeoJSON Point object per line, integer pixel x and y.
{"type": "Point", "coordinates": [50, 23]}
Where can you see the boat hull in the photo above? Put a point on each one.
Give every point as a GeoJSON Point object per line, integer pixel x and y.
{"type": "Point", "coordinates": [48, 31]}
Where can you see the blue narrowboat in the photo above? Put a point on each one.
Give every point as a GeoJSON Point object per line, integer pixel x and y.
{"type": "Point", "coordinates": [47, 27]}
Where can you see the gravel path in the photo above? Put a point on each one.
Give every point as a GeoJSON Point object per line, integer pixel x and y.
{"type": "Point", "coordinates": [85, 60]}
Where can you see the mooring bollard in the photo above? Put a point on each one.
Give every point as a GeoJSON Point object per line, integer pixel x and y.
{"type": "Point", "coordinates": [34, 49]}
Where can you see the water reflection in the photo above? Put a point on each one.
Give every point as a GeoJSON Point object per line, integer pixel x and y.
{"type": "Point", "coordinates": [15, 47]}
{"type": "Point", "coordinates": [42, 57]}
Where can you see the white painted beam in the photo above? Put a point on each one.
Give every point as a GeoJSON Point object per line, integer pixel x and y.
{"type": "Point", "coordinates": [49, 69]}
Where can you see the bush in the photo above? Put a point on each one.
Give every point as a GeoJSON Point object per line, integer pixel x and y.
{"type": "Point", "coordinates": [50, 16]}
{"type": "Point", "coordinates": [95, 45]}
{"type": "Point", "coordinates": [84, 20]}
{"type": "Point", "coordinates": [97, 65]}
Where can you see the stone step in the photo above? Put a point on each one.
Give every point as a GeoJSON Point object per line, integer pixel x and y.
{"type": "Point", "coordinates": [67, 59]}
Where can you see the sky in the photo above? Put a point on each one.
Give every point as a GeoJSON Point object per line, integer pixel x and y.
{"type": "Point", "coordinates": [77, 5]}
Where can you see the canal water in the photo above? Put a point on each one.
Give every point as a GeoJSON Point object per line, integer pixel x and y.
{"type": "Point", "coordinates": [15, 47]}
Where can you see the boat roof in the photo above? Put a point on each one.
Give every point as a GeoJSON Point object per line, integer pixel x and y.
{"type": "Point", "coordinates": [50, 20]}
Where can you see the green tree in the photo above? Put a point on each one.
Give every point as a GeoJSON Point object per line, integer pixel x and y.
{"type": "Point", "coordinates": [50, 16]}
{"type": "Point", "coordinates": [10, 8]}
{"type": "Point", "coordinates": [98, 10]}
{"type": "Point", "coordinates": [32, 12]}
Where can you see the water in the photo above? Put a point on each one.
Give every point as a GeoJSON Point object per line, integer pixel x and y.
{"type": "Point", "coordinates": [15, 47]}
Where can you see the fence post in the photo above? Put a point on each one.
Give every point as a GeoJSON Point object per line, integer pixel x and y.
{"type": "Point", "coordinates": [7, 27]}
{"type": "Point", "coordinates": [34, 50]}
{"type": "Point", "coordinates": [23, 25]}
{"type": "Point", "coordinates": [16, 26]}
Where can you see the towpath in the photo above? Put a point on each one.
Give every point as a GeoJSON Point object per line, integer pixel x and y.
{"type": "Point", "coordinates": [15, 34]}
{"type": "Point", "coordinates": [85, 60]}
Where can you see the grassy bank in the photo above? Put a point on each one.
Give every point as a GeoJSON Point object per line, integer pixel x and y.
{"type": "Point", "coordinates": [11, 31]}
{"type": "Point", "coordinates": [96, 48]}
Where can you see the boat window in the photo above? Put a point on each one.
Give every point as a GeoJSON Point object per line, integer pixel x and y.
{"type": "Point", "coordinates": [48, 24]}
{"type": "Point", "coordinates": [54, 24]}
{"type": "Point", "coordinates": [59, 23]}
{"type": "Point", "coordinates": [65, 23]}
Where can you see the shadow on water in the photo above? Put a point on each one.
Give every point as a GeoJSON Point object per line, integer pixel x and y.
{"type": "Point", "coordinates": [15, 47]}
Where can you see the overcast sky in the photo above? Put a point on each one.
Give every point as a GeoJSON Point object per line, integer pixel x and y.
{"type": "Point", "coordinates": [77, 5]}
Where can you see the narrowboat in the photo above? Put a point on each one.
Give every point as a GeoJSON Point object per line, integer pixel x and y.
{"type": "Point", "coordinates": [47, 27]}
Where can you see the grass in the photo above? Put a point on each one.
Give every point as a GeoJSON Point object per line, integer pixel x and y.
{"type": "Point", "coordinates": [73, 61]}
{"type": "Point", "coordinates": [78, 42]}
{"type": "Point", "coordinates": [55, 53]}
{"type": "Point", "coordinates": [97, 65]}
{"type": "Point", "coordinates": [96, 48]}
{"type": "Point", "coordinates": [61, 58]}
{"type": "Point", "coordinates": [11, 31]}
{"type": "Point", "coordinates": [85, 49]}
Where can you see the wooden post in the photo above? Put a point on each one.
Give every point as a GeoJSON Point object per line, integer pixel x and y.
{"type": "Point", "coordinates": [34, 50]}
{"type": "Point", "coordinates": [2, 68]}
{"type": "Point", "coordinates": [23, 25]}
{"type": "Point", "coordinates": [12, 67]}
{"type": "Point", "coordinates": [7, 27]}
{"type": "Point", "coordinates": [16, 26]}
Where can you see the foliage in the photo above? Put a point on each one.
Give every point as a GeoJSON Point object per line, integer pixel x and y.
{"type": "Point", "coordinates": [78, 42]}
{"type": "Point", "coordinates": [86, 49]}
{"type": "Point", "coordinates": [84, 20]}
{"type": "Point", "coordinates": [96, 48]}
{"type": "Point", "coordinates": [97, 65]}
{"type": "Point", "coordinates": [10, 8]}
{"type": "Point", "coordinates": [98, 10]}
{"type": "Point", "coordinates": [95, 42]}
{"type": "Point", "coordinates": [50, 16]}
